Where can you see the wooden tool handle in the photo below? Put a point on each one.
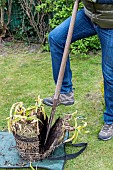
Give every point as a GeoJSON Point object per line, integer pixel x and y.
{"type": "Point", "coordinates": [63, 65]}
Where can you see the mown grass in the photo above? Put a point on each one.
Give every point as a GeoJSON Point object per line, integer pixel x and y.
{"type": "Point", "coordinates": [24, 76]}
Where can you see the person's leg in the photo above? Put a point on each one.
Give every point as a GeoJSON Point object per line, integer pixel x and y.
{"type": "Point", "coordinates": [106, 39]}
{"type": "Point", "coordinates": [57, 38]}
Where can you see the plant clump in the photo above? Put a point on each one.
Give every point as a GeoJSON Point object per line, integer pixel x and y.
{"type": "Point", "coordinates": [29, 121]}
{"type": "Point", "coordinates": [29, 127]}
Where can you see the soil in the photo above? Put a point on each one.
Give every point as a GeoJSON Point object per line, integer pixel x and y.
{"type": "Point", "coordinates": [15, 47]}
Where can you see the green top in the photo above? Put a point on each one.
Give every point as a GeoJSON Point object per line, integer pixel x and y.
{"type": "Point", "coordinates": [100, 14]}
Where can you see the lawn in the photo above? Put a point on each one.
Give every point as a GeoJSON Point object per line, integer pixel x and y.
{"type": "Point", "coordinates": [26, 73]}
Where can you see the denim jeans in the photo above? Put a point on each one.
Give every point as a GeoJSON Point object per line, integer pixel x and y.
{"type": "Point", "coordinates": [84, 28]}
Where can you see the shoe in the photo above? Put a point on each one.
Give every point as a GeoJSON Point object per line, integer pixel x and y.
{"type": "Point", "coordinates": [106, 132]}
{"type": "Point", "coordinates": [65, 99]}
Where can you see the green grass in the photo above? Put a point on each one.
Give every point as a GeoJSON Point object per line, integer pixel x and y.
{"type": "Point", "coordinates": [24, 76]}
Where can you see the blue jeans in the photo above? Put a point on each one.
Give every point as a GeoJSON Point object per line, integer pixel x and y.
{"type": "Point", "coordinates": [84, 28]}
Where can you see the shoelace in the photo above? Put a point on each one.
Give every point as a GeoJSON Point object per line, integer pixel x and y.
{"type": "Point", "coordinates": [106, 127]}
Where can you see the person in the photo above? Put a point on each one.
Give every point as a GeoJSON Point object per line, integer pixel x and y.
{"type": "Point", "coordinates": [95, 18]}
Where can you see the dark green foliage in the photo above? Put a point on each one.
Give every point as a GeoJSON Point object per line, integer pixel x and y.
{"type": "Point", "coordinates": [55, 11]}
{"type": "Point", "coordinates": [2, 2]}
{"type": "Point", "coordinates": [20, 26]}
{"type": "Point", "coordinates": [60, 11]}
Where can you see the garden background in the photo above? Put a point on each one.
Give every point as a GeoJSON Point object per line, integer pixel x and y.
{"type": "Point", "coordinates": [25, 73]}
{"type": "Point", "coordinates": [31, 21]}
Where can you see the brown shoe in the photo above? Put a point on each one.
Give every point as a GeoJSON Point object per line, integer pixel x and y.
{"type": "Point", "coordinates": [65, 99]}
